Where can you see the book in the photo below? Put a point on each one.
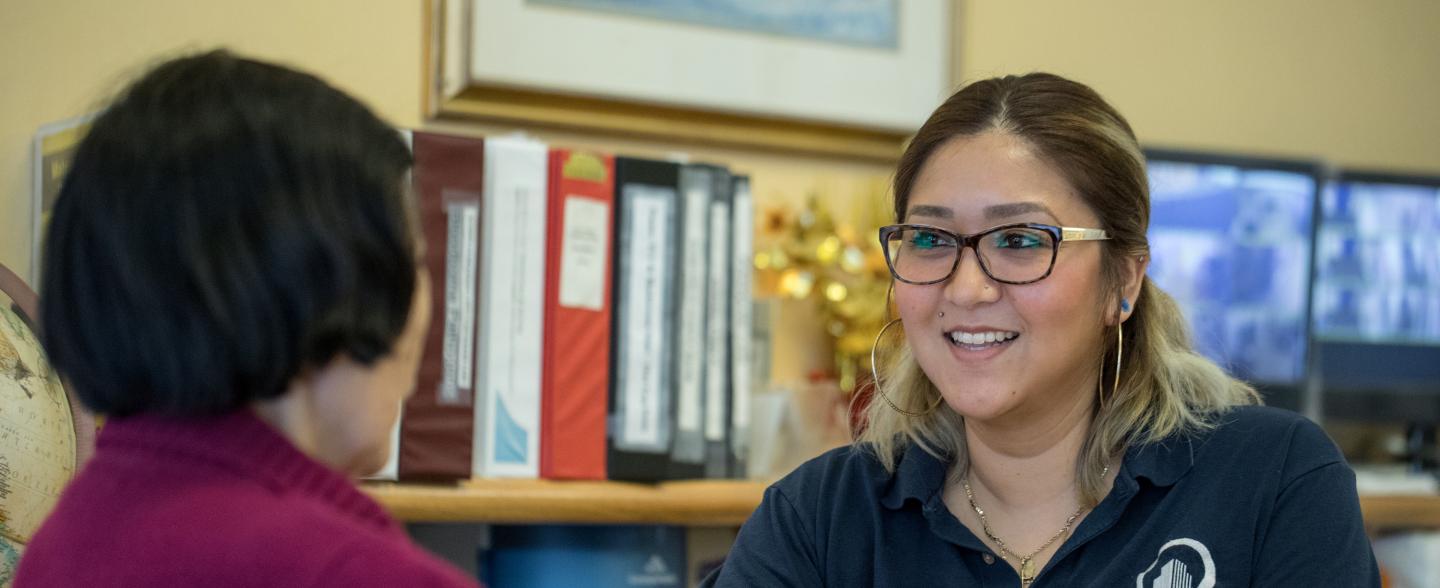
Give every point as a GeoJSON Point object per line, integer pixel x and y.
{"type": "Point", "coordinates": [512, 277]}
{"type": "Point", "coordinates": [641, 413]}
{"type": "Point", "coordinates": [437, 427]}
{"type": "Point", "coordinates": [575, 378]}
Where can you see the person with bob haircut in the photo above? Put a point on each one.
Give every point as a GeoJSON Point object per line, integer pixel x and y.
{"type": "Point", "coordinates": [232, 278]}
{"type": "Point", "coordinates": [1042, 418]}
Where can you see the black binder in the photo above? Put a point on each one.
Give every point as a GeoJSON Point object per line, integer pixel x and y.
{"type": "Point", "coordinates": [641, 423]}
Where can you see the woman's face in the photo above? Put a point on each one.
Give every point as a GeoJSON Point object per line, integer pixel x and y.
{"type": "Point", "coordinates": [1047, 333]}
{"type": "Point", "coordinates": [361, 403]}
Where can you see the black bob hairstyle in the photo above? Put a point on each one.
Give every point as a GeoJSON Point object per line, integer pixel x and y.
{"type": "Point", "coordinates": [225, 225]}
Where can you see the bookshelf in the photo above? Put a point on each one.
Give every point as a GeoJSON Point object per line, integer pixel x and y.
{"type": "Point", "coordinates": [720, 503]}
{"type": "Point", "coordinates": [1384, 513]}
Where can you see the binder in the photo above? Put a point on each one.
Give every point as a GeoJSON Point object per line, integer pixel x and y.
{"type": "Point", "coordinates": [575, 379]}
{"type": "Point", "coordinates": [507, 409]}
{"type": "Point", "coordinates": [697, 187]}
{"type": "Point", "coordinates": [742, 301]}
{"type": "Point", "coordinates": [641, 415]}
{"type": "Point", "coordinates": [437, 428]}
{"type": "Point", "coordinates": [717, 340]}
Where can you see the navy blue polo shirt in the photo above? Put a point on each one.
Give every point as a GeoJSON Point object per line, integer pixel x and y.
{"type": "Point", "coordinates": [1262, 499]}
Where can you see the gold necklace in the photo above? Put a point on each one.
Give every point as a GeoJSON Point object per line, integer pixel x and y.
{"type": "Point", "coordinates": [1027, 563]}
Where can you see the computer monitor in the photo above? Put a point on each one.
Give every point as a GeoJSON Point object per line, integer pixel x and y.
{"type": "Point", "coordinates": [1377, 295]}
{"type": "Point", "coordinates": [1231, 239]}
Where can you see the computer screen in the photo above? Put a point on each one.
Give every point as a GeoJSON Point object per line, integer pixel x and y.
{"type": "Point", "coordinates": [1377, 283]}
{"type": "Point", "coordinates": [1231, 240]}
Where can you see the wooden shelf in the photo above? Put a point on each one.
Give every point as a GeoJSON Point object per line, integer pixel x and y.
{"type": "Point", "coordinates": [1397, 513]}
{"type": "Point", "coordinates": [697, 502]}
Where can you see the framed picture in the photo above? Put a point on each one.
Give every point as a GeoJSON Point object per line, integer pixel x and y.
{"type": "Point", "coordinates": [851, 77]}
{"type": "Point", "coordinates": [53, 148]}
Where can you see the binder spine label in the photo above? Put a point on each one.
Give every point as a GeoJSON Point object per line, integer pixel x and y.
{"type": "Point", "coordinates": [462, 210]}
{"type": "Point", "coordinates": [642, 395]}
{"type": "Point", "coordinates": [742, 309]}
{"type": "Point", "coordinates": [718, 344]}
{"type": "Point", "coordinates": [582, 253]}
{"type": "Point", "coordinates": [692, 316]}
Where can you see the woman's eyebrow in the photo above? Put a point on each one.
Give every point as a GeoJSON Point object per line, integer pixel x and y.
{"type": "Point", "coordinates": [1012, 209]}
{"type": "Point", "coordinates": [993, 212]}
{"type": "Point", "coordinates": [930, 211]}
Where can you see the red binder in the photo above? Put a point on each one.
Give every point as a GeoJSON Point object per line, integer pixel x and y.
{"type": "Point", "coordinates": [579, 256]}
{"type": "Point", "coordinates": [438, 425]}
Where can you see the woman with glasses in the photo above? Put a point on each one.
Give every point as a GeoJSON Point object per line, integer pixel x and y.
{"type": "Point", "coordinates": [1041, 418]}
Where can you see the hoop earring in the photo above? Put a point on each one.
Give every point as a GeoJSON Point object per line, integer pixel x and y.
{"type": "Point", "coordinates": [875, 381]}
{"type": "Point", "coordinates": [1119, 352]}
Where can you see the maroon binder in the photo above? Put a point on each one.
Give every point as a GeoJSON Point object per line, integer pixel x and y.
{"type": "Point", "coordinates": [437, 427]}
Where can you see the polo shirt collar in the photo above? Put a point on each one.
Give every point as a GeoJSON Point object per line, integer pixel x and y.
{"type": "Point", "coordinates": [919, 475]}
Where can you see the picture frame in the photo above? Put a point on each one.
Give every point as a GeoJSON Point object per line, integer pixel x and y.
{"type": "Point", "coordinates": [538, 64]}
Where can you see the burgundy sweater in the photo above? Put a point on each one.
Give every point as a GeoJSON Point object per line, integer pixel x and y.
{"type": "Point", "coordinates": [218, 502]}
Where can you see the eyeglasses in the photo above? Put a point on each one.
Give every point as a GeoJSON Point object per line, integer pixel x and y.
{"type": "Point", "coordinates": [1020, 253]}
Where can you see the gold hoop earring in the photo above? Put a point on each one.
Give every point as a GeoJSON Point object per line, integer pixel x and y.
{"type": "Point", "coordinates": [1119, 352]}
{"type": "Point", "coordinates": [875, 381]}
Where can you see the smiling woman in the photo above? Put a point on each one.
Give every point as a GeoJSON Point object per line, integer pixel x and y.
{"type": "Point", "coordinates": [1044, 407]}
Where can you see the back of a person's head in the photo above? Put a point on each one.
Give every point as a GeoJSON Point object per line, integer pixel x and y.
{"type": "Point", "coordinates": [225, 224]}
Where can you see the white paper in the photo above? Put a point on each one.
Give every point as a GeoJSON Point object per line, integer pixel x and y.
{"type": "Point", "coordinates": [582, 253]}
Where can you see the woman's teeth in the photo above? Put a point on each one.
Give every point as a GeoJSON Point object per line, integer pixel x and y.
{"type": "Point", "coordinates": [985, 338]}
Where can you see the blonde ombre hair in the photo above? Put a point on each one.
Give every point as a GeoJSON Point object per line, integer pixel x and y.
{"type": "Point", "coordinates": [1165, 387]}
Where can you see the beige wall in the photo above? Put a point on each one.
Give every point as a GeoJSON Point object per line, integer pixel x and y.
{"type": "Point", "coordinates": [59, 59]}
{"type": "Point", "coordinates": [1354, 82]}
{"type": "Point", "coordinates": [1351, 81]}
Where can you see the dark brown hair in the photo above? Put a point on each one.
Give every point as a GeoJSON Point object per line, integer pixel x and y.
{"type": "Point", "coordinates": [1164, 386]}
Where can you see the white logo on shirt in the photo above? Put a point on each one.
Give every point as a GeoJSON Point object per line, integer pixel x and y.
{"type": "Point", "coordinates": [1187, 564]}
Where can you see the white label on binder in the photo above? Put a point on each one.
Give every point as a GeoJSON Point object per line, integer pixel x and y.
{"type": "Point", "coordinates": [582, 253]}
{"type": "Point", "coordinates": [644, 353]}
{"type": "Point", "coordinates": [741, 308]}
{"type": "Point", "coordinates": [692, 313]}
{"type": "Point", "coordinates": [716, 347]}
{"type": "Point", "coordinates": [457, 355]}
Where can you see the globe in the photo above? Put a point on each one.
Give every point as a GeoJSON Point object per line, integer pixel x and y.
{"type": "Point", "coordinates": [40, 445]}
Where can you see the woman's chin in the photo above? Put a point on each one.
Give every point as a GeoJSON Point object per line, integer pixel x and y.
{"type": "Point", "coordinates": [981, 404]}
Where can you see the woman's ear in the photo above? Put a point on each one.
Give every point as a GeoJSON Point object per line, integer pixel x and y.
{"type": "Point", "coordinates": [1133, 273]}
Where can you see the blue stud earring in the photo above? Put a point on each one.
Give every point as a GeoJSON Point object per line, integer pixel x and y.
{"type": "Point", "coordinates": [1124, 305]}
